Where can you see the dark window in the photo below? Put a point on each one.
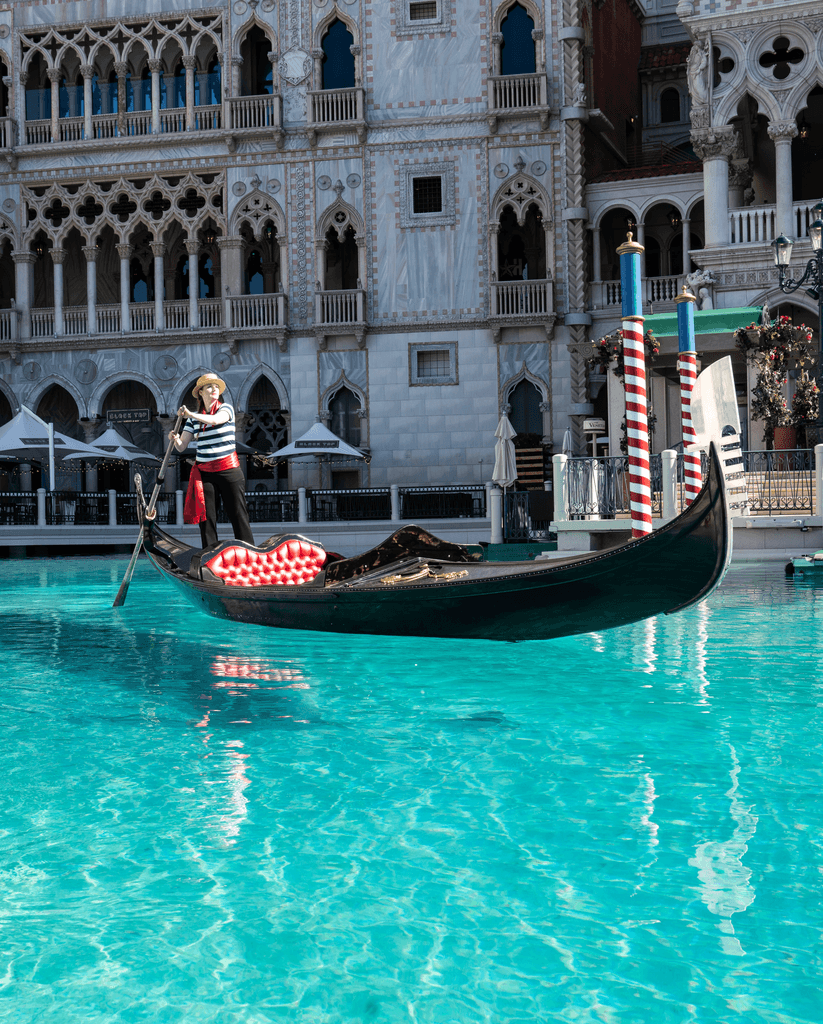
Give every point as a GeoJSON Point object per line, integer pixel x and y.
{"type": "Point", "coordinates": [434, 362]}
{"type": "Point", "coordinates": [526, 417]}
{"type": "Point", "coordinates": [344, 419]}
{"type": "Point", "coordinates": [338, 60]}
{"type": "Point", "coordinates": [427, 195]}
{"type": "Point", "coordinates": [423, 11]}
{"type": "Point", "coordinates": [517, 55]}
{"type": "Point", "coordinates": [670, 106]}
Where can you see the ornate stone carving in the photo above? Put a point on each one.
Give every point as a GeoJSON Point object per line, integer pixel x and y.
{"type": "Point", "coordinates": [697, 69]}
{"type": "Point", "coordinates": [58, 255]}
{"type": "Point", "coordinates": [782, 130]}
{"type": "Point", "coordinates": [295, 65]}
{"type": "Point", "coordinates": [715, 143]}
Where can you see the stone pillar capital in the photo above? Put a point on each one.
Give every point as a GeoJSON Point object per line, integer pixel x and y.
{"type": "Point", "coordinates": [782, 131]}
{"type": "Point", "coordinates": [54, 75]}
{"type": "Point", "coordinates": [24, 256]}
{"type": "Point", "coordinates": [237, 61]}
{"type": "Point", "coordinates": [155, 65]}
{"type": "Point", "coordinates": [192, 246]}
{"type": "Point", "coordinates": [125, 251]}
{"type": "Point", "coordinates": [158, 249]}
{"type": "Point", "coordinates": [715, 143]}
{"type": "Point", "coordinates": [226, 242]}
{"type": "Point", "coordinates": [273, 56]}
{"type": "Point", "coordinates": [497, 38]}
{"type": "Point", "coordinates": [318, 54]}
{"type": "Point", "coordinates": [58, 256]}
{"type": "Point", "coordinates": [24, 77]}
{"type": "Point", "coordinates": [87, 70]}
{"type": "Point", "coordinates": [121, 68]}
{"type": "Point", "coordinates": [91, 252]}
{"type": "Point", "coordinates": [189, 63]}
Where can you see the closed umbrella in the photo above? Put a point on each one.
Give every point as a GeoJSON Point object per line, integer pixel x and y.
{"type": "Point", "coordinates": [504, 473]}
{"type": "Point", "coordinates": [567, 443]}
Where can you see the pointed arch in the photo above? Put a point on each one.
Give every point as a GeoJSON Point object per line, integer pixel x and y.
{"type": "Point", "coordinates": [254, 210]}
{"type": "Point", "coordinates": [519, 192]}
{"type": "Point", "coordinates": [342, 381]}
{"type": "Point", "coordinates": [532, 9]}
{"type": "Point", "coordinates": [254, 22]}
{"type": "Point", "coordinates": [524, 374]}
{"type": "Point", "coordinates": [335, 14]}
{"type": "Point", "coordinates": [35, 396]}
{"type": "Point", "coordinates": [10, 397]}
{"type": "Point", "coordinates": [339, 217]}
{"type": "Point", "coordinates": [98, 395]}
{"type": "Point", "coordinates": [274, 378]}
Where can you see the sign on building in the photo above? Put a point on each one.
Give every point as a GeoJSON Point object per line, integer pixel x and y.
{"type": "Point", "coordinates": [129, 416]}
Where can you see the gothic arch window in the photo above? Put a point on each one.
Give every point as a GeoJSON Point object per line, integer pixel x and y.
{"type": "Point", "coordinates": [344, 407]}
{"type": "Point", "coordinates": [256, 70]}
{"type": "Point", "coordinates": [338, 60]}
{"type": "Point", "coordinates": [521, 249]}
{"type": "Point", "coordinates": [341, 260]}
{"type": "Point", "coordinates": [6, 275]}
{"type": "Point", "coordinates": [266, 428]}
{"type": "Point", "coordinates": [526, 417]}
{"type": "Point", "coordinates": [517, 53]}
{"type": "Point", "coordinates": [669, 106]}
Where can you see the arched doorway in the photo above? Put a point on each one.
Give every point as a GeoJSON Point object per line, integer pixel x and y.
{"type": "Point", "coordinates": [344, 408]}
{"type": "Point", "coordinates": [131, 395]}
{"type": "Point", "coordinates": [266, 430]}
{"type": "Point", "coordinates": [57, 406]}
{"type": "Point", "coordinates": [525, 416]}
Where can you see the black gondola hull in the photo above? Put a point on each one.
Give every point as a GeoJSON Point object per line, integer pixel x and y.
{"type": "Point", "coordinates": [665, 571]}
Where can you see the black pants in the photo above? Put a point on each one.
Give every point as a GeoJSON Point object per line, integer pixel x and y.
{"type": "Point", "coordinates": [230, 485]}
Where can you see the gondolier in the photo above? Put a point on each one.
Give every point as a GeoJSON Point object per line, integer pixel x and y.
{"type": "Point", "coordinates": [217, 469]}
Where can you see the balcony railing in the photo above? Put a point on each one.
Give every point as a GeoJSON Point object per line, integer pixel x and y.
{"type": "Point", "coordinates": [250, 113]}
{"type": "Point", "coordinates": [109, 126]}
{"type": "Point", "coordinates": [8, 132]}
{"type": "Point", "coordinates": [658, 290]}
{"type": "Point", "coordinates": [517, 92]}
{"type": "Point", "coordinates": [8, 324]}
{"type": "Point", "coordinates": [142, 318]}
{"type": "Point", "coordinates": [334, 106]}
{"type": "Point", "coordinates": [340, 307]}
{"type": "Point", "coordinates": [756, 224]}
{"type": "Point", "coordinates": [522, 298]}
{"type": "Point", "coordinates": [250, 311]}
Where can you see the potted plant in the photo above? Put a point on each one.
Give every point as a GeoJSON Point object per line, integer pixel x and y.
{"type": "Point", "coordinates": [773, 348]}
{"type": "Point", "coordinates": [609, 350]}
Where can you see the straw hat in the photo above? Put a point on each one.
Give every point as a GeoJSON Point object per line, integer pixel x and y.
{"type": "Point", "coordinates": [207, 378]}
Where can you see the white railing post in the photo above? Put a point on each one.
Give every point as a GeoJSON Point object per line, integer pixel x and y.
{"type": "Point", "coordinates": [818, 479]}
{"type": "Point", "coordinates": [669, 474]}
{"type": "Point", "coordinates": [559, 487]}
{"type": "Point", "coordinates": [112, 508]}
{"type": "Point", "coordinates": [41, 506]}
{"type": "Point", "coordinates": [302, 508]}
{"type": "Point", "coordinates": [395, 501]}
{"type": "Point", "coordinates": [496, 513]}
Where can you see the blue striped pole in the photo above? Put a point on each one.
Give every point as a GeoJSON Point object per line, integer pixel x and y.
{"type": "Point", "coordinates": [687, 365]}
{"type": "Point", "coordinates": [634, 357]}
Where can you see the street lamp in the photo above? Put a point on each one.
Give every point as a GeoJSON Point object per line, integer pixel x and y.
{"type": "Point", "coordinates": [813, 276]}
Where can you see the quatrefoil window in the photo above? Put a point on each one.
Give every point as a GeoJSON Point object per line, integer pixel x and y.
{"type": "Point", "coordinates": [123, 207]}
{"type": "Point", "coordinates": [56, 213]}
{"type": "Point", "coordinates": [721, 66]}
{"type": "Point", "coordinates": [781, 57]}
{"type": "Point", "coordinates": [191, 202]}
{"type": "Point", "coordinates": [156, 205]}
{"type": "Point", "coordinates": [89, 210]}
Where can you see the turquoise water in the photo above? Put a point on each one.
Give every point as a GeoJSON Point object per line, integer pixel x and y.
{"type": "Point", "coordinates": [208, 822]}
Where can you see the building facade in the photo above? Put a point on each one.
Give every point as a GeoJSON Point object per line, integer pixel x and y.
{"type": "Point", "coordinates": [364, 211]}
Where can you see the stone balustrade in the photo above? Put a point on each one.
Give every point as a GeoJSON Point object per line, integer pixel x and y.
{"type": "Point", "coordinates": [522, 298]}
{"type": "Point", "coordinates": [340, 307]}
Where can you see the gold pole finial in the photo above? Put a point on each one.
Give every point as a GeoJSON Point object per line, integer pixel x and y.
{"type": "Point", "coordinates": [685, 295]}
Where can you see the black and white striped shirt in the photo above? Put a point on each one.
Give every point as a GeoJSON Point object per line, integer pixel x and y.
{"type": "Point", "coordinates": [213, 442]}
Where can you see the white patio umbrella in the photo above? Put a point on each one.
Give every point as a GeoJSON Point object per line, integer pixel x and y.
{"type": "Point", "coordinates": [504, 473]}
{"type": "Point", "coordinates": [28, 438]}
{"type": "Point", "coordinates": [113, 445]}
{"type": "Point", "coordinates": [318, 440]}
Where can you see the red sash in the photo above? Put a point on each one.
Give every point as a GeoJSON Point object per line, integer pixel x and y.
{"type": "Point", "coordinates": [194, 510]}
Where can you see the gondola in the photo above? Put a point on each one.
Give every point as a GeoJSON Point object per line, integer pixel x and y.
{"type": "Point", "coordinates": [414, 584]}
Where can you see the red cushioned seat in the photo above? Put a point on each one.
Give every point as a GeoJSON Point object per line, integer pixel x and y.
{"type": "Point", "coordinates": [290, 563]}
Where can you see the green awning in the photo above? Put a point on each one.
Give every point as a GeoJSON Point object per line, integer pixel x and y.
{"type": "Point", "coordinates": [706, 321]}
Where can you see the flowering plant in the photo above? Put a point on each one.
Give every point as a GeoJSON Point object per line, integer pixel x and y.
{"type": "Point", "coordinates": [773, 348]}
{"type": "Point", "coordinates": [608, 350]}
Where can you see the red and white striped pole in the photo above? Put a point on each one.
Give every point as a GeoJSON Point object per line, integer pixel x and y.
{"type": "Point", "coordinates": [687, 364]}
{"type": "Point", "coordinates": [634, 358]}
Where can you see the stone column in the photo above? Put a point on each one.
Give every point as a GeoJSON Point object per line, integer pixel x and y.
{"type": "Point", "coordinates": [235, 64]}
{"type": "Point", "coordinates": [23, 262]}
{"type": "Point", "coordinates": [596, 255]}
{"type": "Point", "coordinates": [640, 238]}
{"type": "Point", "coordinates": [190, 63]}
{"type": "Point", "coordinates": [90, 427]}
{"type": "Point", "coordinates": [125, 252]}
{"type": "Point", "coordinates": [54, 76]}
{"type": "Point", "coordinates": [714, 146]}
{"type": "Point", "coordinates": [782, 133]}
{"type": "Point", "coordinates": [687, 244]}
{"type": "Point", "coordinates": [231, 251]}
{"type": "Point", "coordinates": [91, 253]}
{"type": "Point", "coordinates": [159, 251]}
{"type": "Point", "coordinates": [317, 55]}
{"type": "Point", "coordinates": [321, 247]}
{"type": "Point", "coordinates": [269, 268]}
{"type": "Point", "coordinates": [121, 70]}
{"type": "Point", "coordinates": [497, 44]}
{"type": "Point", "coordinates": [156, 67]}
{"type": "Point", "coordinates": [58, 258]}
{"type": "Point", "coordinates": [170, 96]}
{"type": "Point", "coordinates": [192, 248]}
{"type": "Point", "coordinates": [87, 71]}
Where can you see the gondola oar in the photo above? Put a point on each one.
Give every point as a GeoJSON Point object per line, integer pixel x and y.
{"type": "Point", "coordinates": [148, 514]}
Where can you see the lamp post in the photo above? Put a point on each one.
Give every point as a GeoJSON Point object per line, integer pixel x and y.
{"type": "Point", "coordinates": [813, 276]}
